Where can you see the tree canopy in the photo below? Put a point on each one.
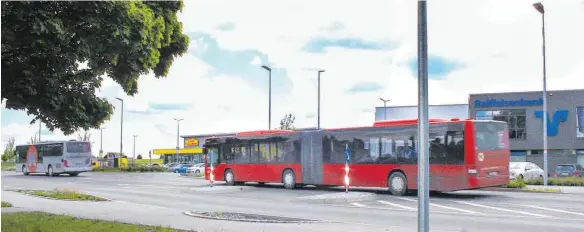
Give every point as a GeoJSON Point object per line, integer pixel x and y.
{"type": "Point", "coordinates": [44, 43]}
{"type": "Point", "coordinates": [287, 122]}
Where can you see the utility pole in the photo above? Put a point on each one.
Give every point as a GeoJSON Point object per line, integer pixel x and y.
{"type": "Point", "coordinates": [384, 108]}
{"type": "Point", "coordinates": [423, 124]}
{"type": "Point", "coordinates": [177, 137]}
{"type": "Point", "coordinates": [134, 151]}
{"type": "Point", "coordinates": [539, 7]}
{"type": "Point", "coordinates": [318, 123]}
{"type": "Point", "coordinates": [269, 96]}
{"type": "Point", "coordinates": [101, 141]}
{"type": "Point", "coordinates": [40, 123]}
{"type": "Point", "coordinates": [121, 127]}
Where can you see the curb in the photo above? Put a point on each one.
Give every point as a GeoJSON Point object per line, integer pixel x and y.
{"type": "Point", "coordinates": [190, 213]}
{"type": "Point", "coordinates": [364, 197]}
{"type": "Point", "coordinates": [520, 190]}
{"type": "Point", "coordinates": [50, 198]}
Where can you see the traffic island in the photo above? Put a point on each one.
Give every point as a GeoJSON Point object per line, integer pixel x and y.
{"type": "Point", "coordinates": [61, 194]}
{"type": "Point", "coordinates": [218, 189]}
{"type": "Point", "coordinates": [340, 197]}
{"type": "Point", "coordinates": [245, 217]}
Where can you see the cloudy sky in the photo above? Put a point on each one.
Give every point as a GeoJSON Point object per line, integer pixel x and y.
{"type": "Point", "coordinates": [367, 47]}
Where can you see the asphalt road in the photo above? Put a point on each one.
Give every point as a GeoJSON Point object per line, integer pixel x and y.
{"type": "Point", "coordinates": [161, 199]}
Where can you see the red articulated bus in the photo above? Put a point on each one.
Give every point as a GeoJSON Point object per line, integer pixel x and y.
{"type": "Point", "coordinates": [464, 154]}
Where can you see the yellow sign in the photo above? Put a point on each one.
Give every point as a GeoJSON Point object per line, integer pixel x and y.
{"type": "Point", "coordinates": [191, 142]}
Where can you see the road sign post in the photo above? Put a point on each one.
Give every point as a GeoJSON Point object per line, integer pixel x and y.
{"type": "Point", "coordinates": [423, 124]}
{"type": "Point", "coordinates": [347, 160]}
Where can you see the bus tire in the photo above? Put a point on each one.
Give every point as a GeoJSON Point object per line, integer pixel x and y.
{"type": "Point", "coordinates": [289, 179]}
{"type": "Point", "coordinates": [74, 174]}
{"type": "Point", "coordinates": [24, 171]}
{"type": "Point", "coordinates": [397, 184]}
{"type": "Point", "coordinates": [50, 171]}
{"type": "Point", "coordinates": [229, 177]}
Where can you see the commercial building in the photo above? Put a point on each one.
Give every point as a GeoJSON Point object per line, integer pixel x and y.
{"type": "Point", "coordinates": [523, 113]}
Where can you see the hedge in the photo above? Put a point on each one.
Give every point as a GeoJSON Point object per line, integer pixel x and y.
{"type": "Point", "coordinates": [568, 181]}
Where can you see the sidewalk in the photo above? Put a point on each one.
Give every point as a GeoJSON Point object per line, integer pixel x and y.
{"type": "Point", "coordinates": [164, 216]}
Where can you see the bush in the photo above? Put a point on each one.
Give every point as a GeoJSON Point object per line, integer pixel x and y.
{"type": "Point", "coordinates": [132, 169]}
{"type": "Point", "coordinates": [568, 181]}
{"type": "Point", "coordinates": [515, 184]}
{"type": "Point", "coordinates": [6, 204]}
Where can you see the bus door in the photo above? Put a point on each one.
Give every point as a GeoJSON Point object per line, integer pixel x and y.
{"type": "Point", "coordinates": [492, 153]}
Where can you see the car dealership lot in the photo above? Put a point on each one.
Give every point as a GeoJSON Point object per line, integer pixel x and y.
{"type": "Point", "coordinates": [476, 210]}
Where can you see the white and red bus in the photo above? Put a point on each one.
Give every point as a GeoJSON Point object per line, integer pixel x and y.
{"type": "Point", "coordinates": [464, 154]}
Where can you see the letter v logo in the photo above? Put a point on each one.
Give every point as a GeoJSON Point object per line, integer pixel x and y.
{"type": "Point", "coordinates": [553, 124]}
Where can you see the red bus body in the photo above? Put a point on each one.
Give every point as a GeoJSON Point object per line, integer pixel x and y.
{"type": "Point", "coordinates": [464, 154]}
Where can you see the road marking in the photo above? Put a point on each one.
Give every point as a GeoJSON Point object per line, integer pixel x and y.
{"type": "Point", "coordinates": [396, 205]}
{"type": "Point", "coordinates": [555, 210]}
{"type": "Point", "coordinates": [443, 206]}
{"type": "Point", "coordinates": [123, 184]}
{"type": "Point", "coordinates": [358, 205]}
{"type": "Point", "coordinates": [502, 209]}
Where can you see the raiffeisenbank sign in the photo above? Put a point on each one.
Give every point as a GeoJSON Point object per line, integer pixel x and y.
{"type": "Point", "coordinates": [507, 103]}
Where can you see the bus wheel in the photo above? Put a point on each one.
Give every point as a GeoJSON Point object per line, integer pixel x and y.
{"type": "Point", "coordinates": [288, 179]}
{"type": "Point", "coordinates": [24, 172]}
{"type": "Point", "coordinates": [398, 184]}
{"type": "Point", "coordinates": [229, 178]}
{"type": "Point", "coordinates": [50, 171]}
{"type": "Point", "coordinates": [73, 174]}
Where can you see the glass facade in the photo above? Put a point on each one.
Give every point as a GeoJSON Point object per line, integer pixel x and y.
{"type": "Point", "coordinates": [515, 119]}
{"type": "Point", "coordinates": [580, 122]}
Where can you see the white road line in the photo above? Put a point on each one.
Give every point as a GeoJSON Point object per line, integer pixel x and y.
{"type": "Point", "coordinates": [396, 205]}
{"type": "Point", "coordinates": [443, 206]}
{"type": "Point", "coordinates": [358, 205]}
{"type": "Point", "coordinates": [555, 210]}
{"type": "Point", "coordinates": [502, 209]}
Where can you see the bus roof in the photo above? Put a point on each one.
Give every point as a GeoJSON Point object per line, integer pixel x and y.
{"type": "Point", "coordinates": [387, 123]}
{"type": "Point", "coordinates": [53, 141]}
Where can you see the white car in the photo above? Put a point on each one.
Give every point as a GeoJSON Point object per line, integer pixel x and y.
{"type": "Point", "coordinates": [197, 168]}
{"type": "Point", "coordinates": [524, 170]}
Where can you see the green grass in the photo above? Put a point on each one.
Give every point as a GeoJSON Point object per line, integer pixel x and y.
{"type": "Point", "coordinates": [8, 166]}
{"type": "Point", "coordinates": [62, 194]}
{"type": "Point", "coordinates": [6, 204]}
{"type": "Point", "coordinates": [147, 161]}
{"type": "Point", "coordinates": [45, 222]}
{"type": "Point", "coordinates": [547, 190]}
{"type": "Point", "coordinates": [132, 169]}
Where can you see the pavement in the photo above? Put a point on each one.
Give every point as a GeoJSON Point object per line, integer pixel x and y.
{"type": "Point", "coordinates": [162, 199]}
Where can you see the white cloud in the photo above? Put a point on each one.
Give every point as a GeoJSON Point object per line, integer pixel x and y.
{"type": "Point", "coordinates": [497, 41]}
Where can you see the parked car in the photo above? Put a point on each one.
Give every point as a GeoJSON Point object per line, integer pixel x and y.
{"type": "Point", "coordinates": [525, 171]}
{"type": "Point", "coordinates": [568, 170]}
{"type": "Point", "coordinates": [197, 168]}
{"type": "Point", "coordinates": [182, 168]}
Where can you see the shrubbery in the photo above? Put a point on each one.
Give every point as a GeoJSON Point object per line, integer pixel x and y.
{"type": "Point", "coordinates": [568, 181]}
{"type": "Point", "coordinates": [132, 169]}
{"type": "Point", "coordinates": [515, 184]}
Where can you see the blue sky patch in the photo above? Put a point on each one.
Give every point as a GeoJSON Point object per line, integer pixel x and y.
{"type": "Point", "coordinates": [320, 44]}
{"type": "Point", "coordinates": [363, 87]}
{"type": "Point", "coordinates": [15, 116]}
{"type": "Point", "coordinates": [164, 107]}
{"type": "Point", "coordinates": [438, 67]}
{"type": "Point", "coordinates": [238, 63]}
{"type": "Point", "coordinates": [227, 26]}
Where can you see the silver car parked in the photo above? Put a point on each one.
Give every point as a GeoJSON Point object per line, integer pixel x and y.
{"type": "Point", "coordinates": [525, 171]}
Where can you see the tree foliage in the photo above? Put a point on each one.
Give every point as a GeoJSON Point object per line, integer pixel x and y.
{"type": "Point", "coordinates": [287, 122]}
{"type": "Point", "coordinates": [9, 151]}
{"type": "Point", "coordinates": [44, 43]}
{"type": "Point", "coordinates": [139, 157]}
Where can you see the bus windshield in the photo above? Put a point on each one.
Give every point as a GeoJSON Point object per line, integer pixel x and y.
{"type": "Point", "coordinates": [212, 156]}
{"type": "Point", "coordinates": [491, 136]}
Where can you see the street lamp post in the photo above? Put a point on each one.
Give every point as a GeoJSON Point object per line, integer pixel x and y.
{"type": "Point", "coordinates": [423, 124]}
{"type": "Point", "coordinates": [318, 113]}
{"type": "Point", "coordinates": [40, 123]}
{"type": "Point", "coordinates": [134, 150]}
{"type": "Point", "coordinates": [539, 7]}
{"type": "Point", "coordinates": [121, 127]}
{"type": "Point", "coordinates": [101, 141]}
{"type": "Point", "coordinates": [269, 96]}
{"type": "Point", "coordinates": [177, 137]}
{"type": "Point", "coordinates": [384, 107]}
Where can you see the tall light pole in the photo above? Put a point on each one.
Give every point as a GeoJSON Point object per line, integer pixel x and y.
{"type": "Point", "coordinates": [539, 7]}
{"type": "Point", "coordinates": [101, 141]}
{"type": "Point", "coordinates": [384, 107]}
{"type": "Point", "coordinates": [423, 124]}
{"type": "Point", "coordinates": [121, 127]}
{"type": "Point", "coordinates": [134, 150]}
{"type": "Point", "coordinates": [177, 140]}
{"type": "Point", "coordinates": [40, 123]}
{"type": "Point", "coordinates": [269, 96]}
{"type": "Point", "coordinates": [318, 113]}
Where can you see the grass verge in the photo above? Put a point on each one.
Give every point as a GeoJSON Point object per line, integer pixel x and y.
{"type": "Point", "coordinates": [132, 169]}
{"type": "Point", "coordinates": [45, 222]}
{"type": "Point", "coordinates": [566, 181]}
{"type": "Point", "coordinates": [62, 194]}
{"type": "Point", "coordinates": [520, 184]}
{"type": "Point", "coordinates": [6, 204]}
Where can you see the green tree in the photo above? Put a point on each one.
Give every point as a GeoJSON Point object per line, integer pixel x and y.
{"type": "Point", "coordinates": [85, 136]}
{"type": "Point", "coordinates": [34, 139]}
{"type": "Point", "coordinates": [9, 151]}
{"type": "Point", "coordinates": [139, 157]}
{"type": "Point", "coordinates": [44, 42]}
{"type": "Point", "coordinates": [287, 122]}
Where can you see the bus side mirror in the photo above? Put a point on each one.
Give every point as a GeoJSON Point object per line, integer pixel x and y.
{"type": "Point", "coordinates": [205, 151]}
